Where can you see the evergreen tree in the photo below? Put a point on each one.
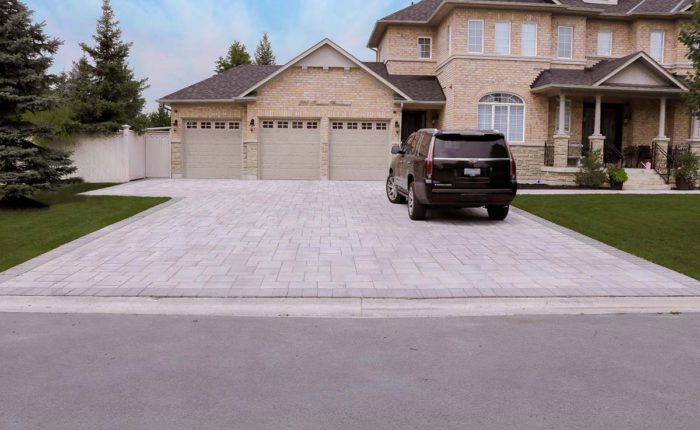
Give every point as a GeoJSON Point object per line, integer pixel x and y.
{"type": "Point", "coordinates": [26, 53]}
{"type": "Point", "coordinates": [159, 118]}
{"type": "Point", "coordinates": [263, 53]}
{"type": "Point", "coordinates": [102, 90]}
{"type": "Point", "coordinates": [237, 55]}
{"type": "Point", "coordinates": [690, 37]}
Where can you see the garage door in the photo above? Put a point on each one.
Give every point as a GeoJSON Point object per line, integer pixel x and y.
{"type": "Point", "coordinates": [212, 149]}
{"type": "Point", "coordinates": [359, 150]}
{"type": "Point", "coordinates": [290, 149]}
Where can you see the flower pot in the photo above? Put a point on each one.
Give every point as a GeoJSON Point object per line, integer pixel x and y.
{"type": "Point", "coordinates": [683, 184]}
{"type": "Point", "coordinates": [616, 186]}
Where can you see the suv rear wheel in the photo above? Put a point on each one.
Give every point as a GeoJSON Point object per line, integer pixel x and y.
{"type": "Point", "coordinates": [416, 210]}
{"type": "Point", "coordinates": [392, 193]}
{"type": "Point", "coordinates": [498, 213]}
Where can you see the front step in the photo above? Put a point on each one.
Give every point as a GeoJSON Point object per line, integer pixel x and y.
{"type": "Point", "coordinates": [643, 179]}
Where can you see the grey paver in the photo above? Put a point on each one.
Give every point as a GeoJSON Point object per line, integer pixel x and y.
{"type": "Point", "coordinates": [220, 238]}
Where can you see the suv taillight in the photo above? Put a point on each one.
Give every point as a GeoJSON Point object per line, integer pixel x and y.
{"type": "Point", "coordinates": [513, 172]}
{"type": "Point", "coordinates": [429, 162]}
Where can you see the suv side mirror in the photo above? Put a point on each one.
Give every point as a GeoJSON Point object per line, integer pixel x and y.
{"type": "Point", "coordinates": [396, 149]}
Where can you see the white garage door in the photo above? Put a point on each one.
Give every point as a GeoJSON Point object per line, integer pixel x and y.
{"type": "Point", "coordinates": [290, 149]}
{"type": "Point", "coordinates": [212, 149]}
{"type": "Point", "coordinates": [359, 150]}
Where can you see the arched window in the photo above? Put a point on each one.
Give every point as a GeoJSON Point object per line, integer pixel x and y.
{"type": "Point", "coordinates": [503, 112]}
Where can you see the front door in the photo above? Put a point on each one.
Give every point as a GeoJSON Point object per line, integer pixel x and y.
{"type": "Point", "coordinates": [411, 122]}
{"type": "Point", "coordinates": [611, 117]}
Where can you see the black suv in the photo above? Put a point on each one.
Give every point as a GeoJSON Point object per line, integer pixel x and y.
{"type": "Point", "coordinates": [462, 168]}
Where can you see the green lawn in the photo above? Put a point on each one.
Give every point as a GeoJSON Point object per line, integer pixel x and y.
{"type": "Point", "coordinates": [28, 233]}
{"type": "Point", "coordinates": [664, 229]}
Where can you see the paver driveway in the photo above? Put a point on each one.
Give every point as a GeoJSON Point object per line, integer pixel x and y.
{"type": "Point", "coordinates": [329, 239]}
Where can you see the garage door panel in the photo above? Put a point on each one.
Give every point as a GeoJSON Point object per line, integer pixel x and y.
{"type": "Point", "coordinates": [290, 153]}
{"type": "Point", "coordinates": [361, 153]}
{"type": "Point", "coordinates": [213, 153]}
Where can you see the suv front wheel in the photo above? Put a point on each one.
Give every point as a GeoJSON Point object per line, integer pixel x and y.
{"type": "Point", "coordinates": [498, 213]}
{"type": "Point", "coordinates": [416, 210]}
{"type": "Point", "coordinates": [392, 192]}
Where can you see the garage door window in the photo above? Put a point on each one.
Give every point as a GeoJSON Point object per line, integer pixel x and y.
{"type": "Point", "coordinates": [234, 125]}
{"type": "Point", "coordinates": [381, 126]}
{"type": "Point", "coordinates": [205, 124]}
{"type": "Point", "coordinates": [337, 126]}
{"type": "Point", "coordinates": [191, 124]}
{"type": "Point", "coordinates": [282, 124]}
{"type": "Point", "coordinates": [220, 125]}
{"type": "Point", "coordinates": [268, 124]}
{"type": "Point", "coordinates": [352, 126]}
{"type": "Point", "coordinates": [367, 126]}
{"type": "Point", "coordinates": [297, 124]}
{"type": "Point", "coordinates": [312, 125]}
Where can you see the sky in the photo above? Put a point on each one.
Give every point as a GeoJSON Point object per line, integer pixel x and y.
{"type": "Point", "coordinates": [176, 42]}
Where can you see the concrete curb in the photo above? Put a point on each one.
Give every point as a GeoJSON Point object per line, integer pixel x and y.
{"type": "Point", "coordinates": [349, 308]}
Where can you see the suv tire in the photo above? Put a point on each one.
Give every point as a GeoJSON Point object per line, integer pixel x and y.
{"type": "Point", "coordinates": [498, 213]}
{"type": "Point", "coordinates": [416, 210]}
{"type": "Point", "coordinates": [392, 193]}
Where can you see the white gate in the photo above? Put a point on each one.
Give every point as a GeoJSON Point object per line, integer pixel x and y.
{"type": "Point", "coordinates": [157, 154]}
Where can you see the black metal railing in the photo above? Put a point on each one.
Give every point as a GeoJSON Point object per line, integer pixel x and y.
{"type": "Point", "coordinates": [612, 155]}
{"type": "Point", "coordinates": [548, 153]}
{"type": "Point", "coordinates": [661, 162]}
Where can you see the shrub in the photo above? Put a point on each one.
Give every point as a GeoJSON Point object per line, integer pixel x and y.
{"type": "Point", "coordinates": [592, 173]}
{"type": "Point", "coordinates": [687, 166]}
{"type": "Point", "coordinates": [617, 175]}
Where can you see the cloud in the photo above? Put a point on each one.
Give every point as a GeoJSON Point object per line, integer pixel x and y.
{"type": "Point", "coordinates": [176, 42]}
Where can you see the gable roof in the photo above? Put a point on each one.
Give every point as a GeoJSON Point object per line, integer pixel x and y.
{"type": "Point", "coordinates": [423, 12]}
{"type": "Point", "coordinates": [325, 42]}
{"type": "Point", "coordinates": [601, 72]}
{"type": "Point", "coordinates": [239, 82]}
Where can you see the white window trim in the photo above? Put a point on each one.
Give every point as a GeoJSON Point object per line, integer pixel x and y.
{"type": "Point", "coordinates": [509, 36]}
{"type": "Point", "coordinates": [663, 45]}
{"type": "Point", "coordinates": [695, 128]}
{"type": "Point", "coordinates": [559, 38]}
{"type": "Point", "coordinates": [493, 115]}
{"type": "Point", "coordinates": [482, 36]}
{"type": "Point", "coordinates": [567, 108]}
{"type": "Point", "coordinates": [419, 50]}
{"type": "Point", "coordinates": [610, 44]}
{"type": "Point", "coordinates": [537, 30]}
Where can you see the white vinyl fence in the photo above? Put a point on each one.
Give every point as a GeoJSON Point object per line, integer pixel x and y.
{"type": "Point", "coordinates": [123, 156]}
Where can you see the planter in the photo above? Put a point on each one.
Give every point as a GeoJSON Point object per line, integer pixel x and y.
{"type": "Point", "coordinates": [683, 184]}
{"type": "Point", "coordinates": [616, 186]}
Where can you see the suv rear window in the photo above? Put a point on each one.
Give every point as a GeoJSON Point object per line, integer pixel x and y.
{"type": "Point", "coordinates": [461, 146]}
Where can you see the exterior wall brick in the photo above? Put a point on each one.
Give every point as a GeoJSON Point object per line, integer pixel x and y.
{"type": "Point", "coordinates": [399, 49]}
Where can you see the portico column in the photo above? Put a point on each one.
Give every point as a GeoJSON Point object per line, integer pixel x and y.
{"type": "Point", "coordinates": [561, 138]}
{"type": "Point", "coordinates": [662, 118]}
{"type": "Point", "coordinates": [597, 140]}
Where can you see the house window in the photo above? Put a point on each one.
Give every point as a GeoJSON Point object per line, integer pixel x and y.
{"type": "Point", "coordinates": [205, 124]}
{"type": "Point", "coordinates": [449, 40]}
{"type": "Point", "coordinates": [337, 126]}
{"type": "Point", "coordinates": [268, 124]}
{"type": "Point", "coordinates": [475, 30]}
{"type": "Point", "coordinates": [425, 48]}
{"type": "Point", "coordinates": [567, 117]}
{"type": "Point", "coordinates": [282, 124]}
{"type": "Point", "coordinates": [565, 41]}
{"type": "Point", "coordinates": [501, 38]}
{"type": "Point", "coordinates": [656, 50]}
{"type": "Point", "coordinates": [191, 124]}
{"type": "Point", "coordinates": [352, 126]}
{"type": "Point", "coordinates": [381, 126]}
{"type": "Point", "coordinates": [503, 112]}
{"type": "Point", "coordinates": [220, 125]}
{"type": "Point", "coordinates": [528, 43]}
{"type": "Point", "coordinates": [604, 44]}
{"type": "Point", "coordinates": [234, 125]}
{"type": "Point", "coordinates": [312, 125]}
{"type": "Point", "coordinates": [297, 124]}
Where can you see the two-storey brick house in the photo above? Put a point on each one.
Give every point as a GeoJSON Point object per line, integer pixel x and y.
{"type": "Point", "coordinates": [558, 77]}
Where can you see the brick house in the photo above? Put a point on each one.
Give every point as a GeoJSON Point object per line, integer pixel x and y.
{"type": "Point", "coordinates": [558, 77]}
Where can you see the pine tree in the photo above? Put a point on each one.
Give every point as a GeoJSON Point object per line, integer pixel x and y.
{"type": "Point", "coordinates": [237, 55]}
{"type": "Point", "coordinates": [263, 53]}
{"type": "Point", "coordinates": [102, 90]}
{"type": "Point", "coordinates": [26, 53]}
{"type": "Point", "coordinates": [690, 37]}
{"type": "Point", "coordinates": [159, 118]}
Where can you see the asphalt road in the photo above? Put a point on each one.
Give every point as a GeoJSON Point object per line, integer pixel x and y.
{"type": "Point", "coordinates": [136, 372]}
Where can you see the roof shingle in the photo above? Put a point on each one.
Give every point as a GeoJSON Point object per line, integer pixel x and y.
{"type": "Point", "coordinates": [227, 85]}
